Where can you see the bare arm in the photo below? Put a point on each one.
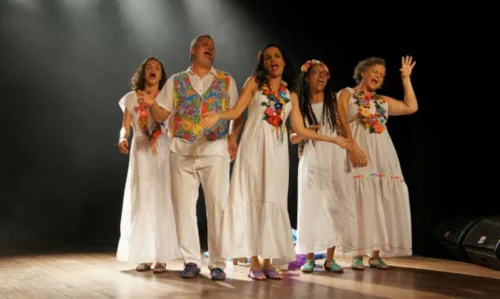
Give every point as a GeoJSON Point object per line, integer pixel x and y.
{"type": "Point", "coordinates": [249, 89]}
{"type": "Point", "coordinates": [159, 113]}
{"type": "Point", "coordinates": [409, 105]}
{"type": "Point", "coordinates": [356, 154]}
{"type": "Point", "coordinates": [294, 137]}
{"type": "Point", "coordinates": [237, 124]}
{"type": "Point", "coordinates": [298, 126]}
{"type": "Point", "coordinates": [125, 132]}
{"type": "Point", "coordinates": [342, 101]}
{"type": "Point", "coordinates": [297, 138]}
{"type": "Point", "coordinates": [245, 98]}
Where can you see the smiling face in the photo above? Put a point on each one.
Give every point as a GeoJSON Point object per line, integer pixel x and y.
{"type": "Point", "coordinates": [203, 51]}
{"type": "Point", "coordinates": [317, 78]}
{"type": "Point", "coordinates": [152, 72]}
{"type": "Point", "coordinates": [273, 62]}
{"type": "Point", "coordinates": [373, 77]}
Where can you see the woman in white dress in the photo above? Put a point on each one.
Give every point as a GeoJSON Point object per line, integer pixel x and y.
{"type": "Point", "coordinates": [147, 225]}
{"type": "Point", "coordinates": [326, 209]}
{"type": "Point", "coordinates": [256, 221]}
{"type": "Point", "coordinates": [382, 199]}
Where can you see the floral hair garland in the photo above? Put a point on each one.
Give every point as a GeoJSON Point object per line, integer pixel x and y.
{"type": "Point", "coordinates": [305, 67]}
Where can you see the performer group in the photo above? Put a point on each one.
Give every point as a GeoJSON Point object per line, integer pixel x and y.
{"type": "Point", "coordinates": [352, 196]}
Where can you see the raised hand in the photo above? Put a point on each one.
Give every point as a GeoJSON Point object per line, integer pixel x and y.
{"type": "Point", "coordinates": [407, 65]}
{"type": "Point", "coordinates": [209, 119]}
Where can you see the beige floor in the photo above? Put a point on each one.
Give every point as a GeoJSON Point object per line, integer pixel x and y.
{"type": "Point", "coordinates": [98, 275]}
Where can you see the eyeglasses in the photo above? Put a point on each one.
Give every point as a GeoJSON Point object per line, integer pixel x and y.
{"type": "Point", "coordinates": [323, 73]}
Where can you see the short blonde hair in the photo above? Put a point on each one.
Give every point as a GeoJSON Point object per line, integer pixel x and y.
{"type": "Point", "coordinates": [365, 64]}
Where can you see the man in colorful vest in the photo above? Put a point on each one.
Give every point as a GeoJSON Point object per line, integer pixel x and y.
{"type": "Point", "coordinates": [199, 155]}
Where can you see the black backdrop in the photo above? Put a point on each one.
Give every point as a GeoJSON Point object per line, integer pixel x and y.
{"type": "Point", "coordinates": [65, 67]}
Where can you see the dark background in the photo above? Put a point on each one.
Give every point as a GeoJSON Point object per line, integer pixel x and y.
{"type": "Point", "coordinates": [65, 65]}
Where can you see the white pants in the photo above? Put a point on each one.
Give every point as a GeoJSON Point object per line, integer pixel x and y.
{"type": "Point", "coordinates": [187, 172]}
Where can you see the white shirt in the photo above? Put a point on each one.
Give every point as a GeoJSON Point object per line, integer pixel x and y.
{"type": "Point", "coordinates": [200, 147]}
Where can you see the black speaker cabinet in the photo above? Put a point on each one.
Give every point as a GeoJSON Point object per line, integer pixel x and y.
{"type": "Point", "coordinates": [450, 236]}
{"type": "Point", "coordinates": [482, 244]}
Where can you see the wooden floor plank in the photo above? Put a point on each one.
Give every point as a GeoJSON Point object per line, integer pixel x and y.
{"type": "Point", "coordinates": [99, 275]}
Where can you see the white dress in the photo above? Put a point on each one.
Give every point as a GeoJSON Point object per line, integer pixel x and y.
{"type": "Point", "coordinates": [256, 221]}
{"type": "Point", "coordinates": [382, 199]}
{"type": "Point", "coordinates": [326, 205]}
{"type": "Point", "coordinates": [148, 232]}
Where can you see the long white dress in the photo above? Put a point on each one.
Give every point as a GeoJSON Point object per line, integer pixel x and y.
{"type": "Point", "coordinates": [256, 221]}
{"type": "Point", "coordinates": [382, 198]}
{"type": "Point", "coordinates": [326, 205]}
{"type": "Point", "coordinates": [147, 227]}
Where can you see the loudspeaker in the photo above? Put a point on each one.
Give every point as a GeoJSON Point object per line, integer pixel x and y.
{"type": "Point", "coordinates": [482, 244]}
{"type": "Point", "coordinates": [450, 236]}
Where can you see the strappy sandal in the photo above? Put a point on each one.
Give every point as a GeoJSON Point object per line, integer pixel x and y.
{"type": "Point", "coordinates": [377, 262]}
{"type": "Point", "coordinates": [357, 264]}
{"type": "Point", "coordinates": [334, 267]}
{"type": "Point", "coordinates": [308, 267]}
{"type": "Point", "coordinates": [143, 267]}
{"type": "Point", "coordinates": [272, 274]}
{"type": "Point", "coordinates": [160, 268]}
{"type": "Point", "coordinates": [256, 274]}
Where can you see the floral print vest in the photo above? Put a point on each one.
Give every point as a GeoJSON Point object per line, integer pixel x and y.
{"type": "Point", "coordinates": [190, 107]}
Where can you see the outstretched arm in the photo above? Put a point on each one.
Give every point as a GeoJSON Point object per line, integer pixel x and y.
{"type": "Point", "coordinates": [298, 126]}
{"type": "Point", "coordinates": [409, 105]}
{"type": "Point", "coordinates": [250, 87]}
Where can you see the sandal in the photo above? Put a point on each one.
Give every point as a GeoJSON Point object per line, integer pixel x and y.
{"type": "Point", "coordinates": [357, 264]}
{"type": "Point", "coordinates": [334, 267]}
{"type": "Point", "coordinates": [376, 262]}
{"type": "Point", "coordinates": [256, 275]}
{"type": "Point", "coordinates": [143, 267]}
{"type": "Point", "coordinates": [308, 267]}
{"type": "Point", "coordinates": [160, 268]}
{"type": "Point", "coordinates": [272, 274]}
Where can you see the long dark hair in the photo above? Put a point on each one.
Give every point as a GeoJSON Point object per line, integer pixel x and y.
{"type": "Point", "coordinates": [260, 73]}
{"type": "Point", "coordinates": [329, 113]}
{"type": "Point", "coordinates": [138, 81]}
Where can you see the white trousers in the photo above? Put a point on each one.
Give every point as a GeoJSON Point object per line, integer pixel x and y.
{"type": "Point", "coordinates": [187, 172]}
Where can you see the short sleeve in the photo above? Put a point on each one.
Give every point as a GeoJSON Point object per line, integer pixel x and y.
{"type": "Point", "coordinates": [165, 98]}
{"type": "Point", "coordinates": [127, 101]}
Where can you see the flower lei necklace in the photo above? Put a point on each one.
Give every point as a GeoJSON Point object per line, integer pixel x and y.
{"type": "Point", "coordinates": [274, 113]}
{"type": "Point", "coordinates": [144, 113]}
{"type": "Point", "coordinates": [374, 122]}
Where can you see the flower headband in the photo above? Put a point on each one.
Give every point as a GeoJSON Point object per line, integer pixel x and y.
{"type": "Point", "coordinates": [305, 67]}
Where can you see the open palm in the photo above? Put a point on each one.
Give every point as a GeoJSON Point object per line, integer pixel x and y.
{"type": "Point", "coordinates": [407, 65]}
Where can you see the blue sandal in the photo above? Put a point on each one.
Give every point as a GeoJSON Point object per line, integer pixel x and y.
{"type": "Point", "coordinates": [308, 267]}
{"type": "Point", "coordinates": [377, 262]}
{"type": "Point", "coordinates": [357, 264]}
{"type": "Point", "coordinates": [334, 267]}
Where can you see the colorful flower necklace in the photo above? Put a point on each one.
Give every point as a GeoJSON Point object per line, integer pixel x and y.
{"type": "Point", "coordinates": [374, 122]}
{"type": "Point", "coordinates": [274, 112]}
{"type": "Point", "coordinates": [144, 113]}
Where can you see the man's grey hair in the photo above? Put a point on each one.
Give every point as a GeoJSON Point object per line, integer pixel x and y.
{"type": "Point", "coordinates": [195, 40]}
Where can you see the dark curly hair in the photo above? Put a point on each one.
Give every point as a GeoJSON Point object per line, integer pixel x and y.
{"type": "Point", "coordinates": [138, 81]}
{"type": "Point", "coordinates": [329, 112]}
{"type": "Point", "coordinates": [261, 75]}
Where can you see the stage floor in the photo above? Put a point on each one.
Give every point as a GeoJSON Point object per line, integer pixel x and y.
{"type": "Point", "coordinates": [99, 275]}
